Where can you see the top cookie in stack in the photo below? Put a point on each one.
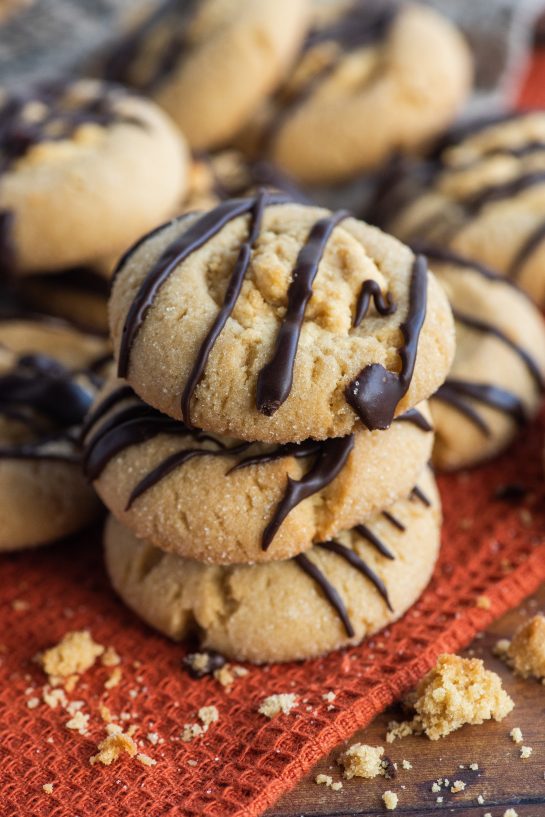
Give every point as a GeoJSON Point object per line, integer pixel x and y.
{"type": "Point", "coordinates": [272, 321]}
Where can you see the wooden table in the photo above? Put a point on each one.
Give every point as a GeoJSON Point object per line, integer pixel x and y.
{"type": "Point", "coordinates": [503, 779]}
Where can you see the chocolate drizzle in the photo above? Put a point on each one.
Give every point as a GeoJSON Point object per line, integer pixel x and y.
{"type": "Point", "coordinates": [362, 23]}
{"type": "Point", "coordinates": [197, 234]}
{"type": "Point", "coordinates": [275, 379]}
{"type": "Point", "coordinates": [376, 392]}
{"type": "Point", "coordinates": [416, 418]}
{"type": "Point", "coordinates": [528, 247]}
{"type": "Point", "coordinates": [456, 392]}
{"type": "Point", "coordinates": [357, 562]}
{"type": "Point", "coordinates": [483, 326]}
{"type": "Point", "coordinates": [231, 296]}
{"type": "Point", "coordinates": [393, 520]}
{"type": "Point", "coordinates": [371, 291]}
{"type": "Point", "coordinates": [45, 397]}
{"type": "Point", "coordinates": [373, 539]}
{"type": "Point", "coordinates": [329, 591]}
{"type": "Point", "coordinates": [418, 493]}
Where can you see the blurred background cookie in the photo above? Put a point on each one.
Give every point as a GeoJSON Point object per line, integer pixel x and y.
{"type": "Point", "coordinates": [49, 374]}
{"type": "Point", "coordinates": [86, 168]}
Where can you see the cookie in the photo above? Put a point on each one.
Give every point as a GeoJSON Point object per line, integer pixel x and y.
{"type": "Point", "coordinates": [78, 295]}
{"type": "Point", "coordinates": [271, 321]}
{"type": "Point", "coordinates": [497, 379]}
{"type": "Point", "coordinates": [374, 77]}
{"type": "Point", "coordinates": [48, 380]}
{"type": "Point", "coordinates": [85, 169]}
{"type": "Point", "coordinates": [482, 195]}
{"type": "Point", "coordinates": [336, 594]}
{"type": "Point", "coordinates": [210, 64]}
{"type": "Point", "coordinates": [222, 501]}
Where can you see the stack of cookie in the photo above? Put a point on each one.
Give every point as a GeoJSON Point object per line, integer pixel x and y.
{"type": "Point", "coordinates": [263, 450]}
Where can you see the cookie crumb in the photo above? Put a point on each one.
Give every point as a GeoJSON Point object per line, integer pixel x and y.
{"type": "Point", "coordinates": [153, 738]}
{"type": "Point", "coordinates": [114, 678]}
{"type": "Point", "coordinates": [78, 722]}
{"type": "Point", "coordinates": [75, 653]}
{"type": "Point", "coordinates": [146, 760]}
{"type": "Point", "coordinates": [455, 692]}
{"type": "Point", "coordinates": [192, 762]}
{"type": "Point", "coordinates": [390, 799]}
{"type": "Point", "coordinates": [435, 787]}
{"type": "Point", "coordinates": [20, 605]}
{"type": "Point", "coordinates": [104, 713]}
{"type": "Point", "coordinates": [32, 703]}
{"type": "Point", "coordinates": [438, 799]}
{"type": "Point", "coordinates": [329, 696]}
{"type": "Point", "coordinates": [474, 767]}
{"type": "Point", "coordinates": [483, 602]}
{"type": "Point", "coordinates": [227, 675]}
{"type": "Point", "coordinates": [480, 799]}
{"type": "Point", "coordinates": [323, 779]}
{"type": "Point", "coordinates": [406, 764]}
{"type": "Point", "coordinates": [361, 760]}
{"type": "Point", "coordinates": [457, 786]}
{"type": "Point", "coordinates": [525, 752]}
{"type": "Point", "coordinates": [501, 647]}
{"type": "Point", "coordinates": [110, 657]}
{"type": "Point", "coordinates": [516, 735]}
{"type": "Point", "coordinates": [110, 749]}
{"type": "Point", "coordinates": [207, 715]}
{"type": "Point", "coordinates": [47, 788]}
{"type": "Point", "coordinates": [526, 652]}
{"type": "Point", "coordinates": [510, 812]}
{"type": "Point", "coordinates": [400, 730]}
{"type": "Point", "coordinates": [336, 785]}
{"type": "Point", "coordinates": [274, 705]}
{"type": "Point", "coordinates": [199, 664]}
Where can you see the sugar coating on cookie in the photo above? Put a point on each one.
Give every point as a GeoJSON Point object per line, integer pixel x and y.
{"type": "Point", "coordinates": [86, 168]}
{"type": "Point", "coordinates": [372, 78]}
{"type": "Point", "coordinates": [497, 379]}
{"type": "Point", "coordinates": [274, 321]}
{"type": "Point", "coordinates": [335, 594]}
{"type": "Point", "coordinates": [483, 195]}
{"type": "Point", "coordinates": [222, 501]}
{"type": "Point", "coordinates": [210, 64]}
{"type": "Point", "coordinates": [48, 379]}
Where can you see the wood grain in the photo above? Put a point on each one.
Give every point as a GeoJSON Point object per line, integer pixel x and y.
{"type": "Point", "coordinates": [503, 779]}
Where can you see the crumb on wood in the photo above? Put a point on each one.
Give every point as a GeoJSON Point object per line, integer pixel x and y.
{"type": "Point", "coordinates": [75, 653]}
{"type": "Point", "coordinates": [516, 734]}
{"type": "Point", "coordinates": [526, 652]}
{"type": "Point", "coordinates": [275, 705]}
{"type": "Point", "coordinates": [361, 760]}
{"type": "Point", "coordinates": [525, 752]}
{"type": "Point", "coordinates": [327, 780]}
{"type": "Point", "coordinates": [406, 764]}
{"type": "Point", "coordinates": [390, 799]}
{"type": "Point", "coordinates": [457, 786]}
{"type": "Point", "coordinates": [455, 692]}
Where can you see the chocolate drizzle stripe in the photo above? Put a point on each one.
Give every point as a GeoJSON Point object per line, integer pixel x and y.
{"type": "Point", "coordinates": [371, 291]}
{"type": "Point", "coordinates": [329, 591]}
{"type": "Point", "coordinates": [104, 447]}
{"type": "Point", "coordinates": [416, 418]}
{"type": "Point", "coordinates": [418, 493]}
{"type": "Point", "coordinates": [197, 234]}
{"type": "Point", "coordinates": [231, 296]}
{"type": "Point", "coordinates": [374, 540]}
{"type": "Point", "coordinates": [456, 392]}
{"type": "Point", "coordinates": [448, 256]}
{"type": "Point", "coordinates": [528, 247]}
{"type": "Point", "coordinates": [359, 564]}
{"type": "Point", "coordinates": [496, 192]}
{"type": "Point", "coordinates": [375, 393]}
{"type": "Point", "coordinates": [115, 397]}
{"type": "Point", "coordinates": [275, 379]}
{"type": "Point", "coordinates": [394, 520]}
{"type": "Point", "coordinates": [483, 326]}
{"type": "Point", "coordinates": [7, 245]}
{"type": "Point", "coordinates": [329, 463]}
{"type": "Point", "coordinates": [171, 463]}
{"type": "Point", "coordinates": [308, 448]}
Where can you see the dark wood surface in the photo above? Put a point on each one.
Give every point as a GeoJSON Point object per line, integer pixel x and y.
{"type": "Point", "coordinates": [503, 779]}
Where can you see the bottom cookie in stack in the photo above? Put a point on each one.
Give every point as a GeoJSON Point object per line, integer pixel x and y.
{"type": "Point", "coordinates": [336, 594]}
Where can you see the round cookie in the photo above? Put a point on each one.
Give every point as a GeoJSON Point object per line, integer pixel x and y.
{"type": "Point", "coordinates": [275, 322]}
{"type": "Point", "coordinates": [497, 378]}
{"type": "Point", "coordinates": [211, 63]}
{"type": "Point", "coordinates": [290, 610]}
{"type": "Point", "coordinates": [482, 195]}
{"type": "Point", "coordinates": [78, 295]}
{"type": "Point", "coordinates": [47, 383]}
{"type": "Point", "coordinates": [224, 502]}
{"type": "Point", "coordinates": [374, 78]}
{"type": "Point", "coordinates": [85, 169]}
